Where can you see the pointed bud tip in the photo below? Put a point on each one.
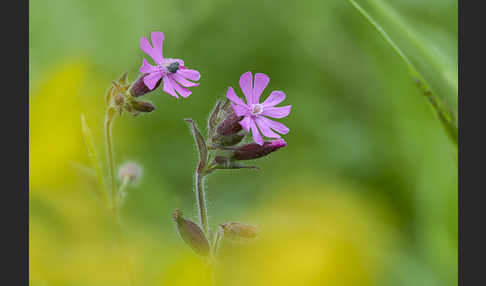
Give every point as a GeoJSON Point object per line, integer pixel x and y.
{"type": "Point", "coordinates": [279, 143]}
{"type": "Point", "coordinates": [253, 150]}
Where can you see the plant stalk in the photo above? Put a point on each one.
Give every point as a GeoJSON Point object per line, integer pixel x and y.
{"type": "Point", "coordinates": [114, 204]}
{"type": "Point", "coordinates": [201, 201]}
{"type": "Point", "coordinates": [109, 118]}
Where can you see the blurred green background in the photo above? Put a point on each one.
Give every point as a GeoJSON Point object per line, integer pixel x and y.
{"type": "Point", "coordinates": [365, 193]}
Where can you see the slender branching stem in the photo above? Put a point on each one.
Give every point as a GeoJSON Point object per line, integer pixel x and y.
{"type": "Point", "coordinates": [121, 193]}
{"type": "Point", "coordinates": [109, 118]}
{"type": "Point", "coordinates": [114, 194]}
{"type": "Point", "coordinates": [121, 242]}
{"type": "Point", "coordinates": [217, 240]}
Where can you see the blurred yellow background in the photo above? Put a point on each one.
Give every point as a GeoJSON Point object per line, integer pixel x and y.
{"type": "Point", "coordinates": [365, 193]}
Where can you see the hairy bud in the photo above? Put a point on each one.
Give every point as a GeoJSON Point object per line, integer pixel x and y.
{"type": "Point", "coordinates": [142, 106]}
{"type": "Point", "coordinates": [230, 125]}
{"type": "Point", "coordinates": [253, 150]}
{"type": "Point", "coordinates": [226, 163]}
{"type": "Point", "coordinates": [239, 230]}
{"type": "Point", "coordinates": [119, 100]}
{"type": "Point", "coordinates": [139, 88]}
{"type": "Point", "coordinates": [228, 140]}
{"type": "Point", "coordinates": [191, 233]}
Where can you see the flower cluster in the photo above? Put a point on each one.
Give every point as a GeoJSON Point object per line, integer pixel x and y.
{"type": "Point", "coordinates": [252, 115]}
{"type": "Point", "coordinates": [225, 147]}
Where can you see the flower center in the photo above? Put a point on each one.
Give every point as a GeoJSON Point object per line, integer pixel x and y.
{"type": "Point", "coordinates": [256, 109]}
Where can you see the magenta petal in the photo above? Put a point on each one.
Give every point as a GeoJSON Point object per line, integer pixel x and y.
{"type": "Point", "coordinates": [265, 129]}
{"type": "Point", "coordinates": [274, 98]}
{"type": "Point", "coordinates": [147, 68]}
{"type": "Point", "coordinates": [239, 110]}
{"type": "Point", "coordinates": [277, 112]}
{"type": "Point", "coordinates": [257, 137]}
{"type": "Point", "coordinates": [246, 123]}
{"type": "Point", "coordinates": [277, 126]}
{"type": "Point", "coordinates": [261, 81]}
{"type": "Point", "coordinates": [184, 92]}
{"type": "Point", "coordinates": [152, 79]}
{"type": "Point", "coordinates": [231, 95]}
{"type": "Point", "coordinates": [184, 82]}
{"type": "Point", "coordinates": [169, 88]}
{"type": "Point", "coordinates": [189, 74]}
{"type": "Point", "coordinates": [246, 86]}
{"type": "Point", "coordinates": [147, 48]}
{"type": "Point", "coordinates": [157, 42]}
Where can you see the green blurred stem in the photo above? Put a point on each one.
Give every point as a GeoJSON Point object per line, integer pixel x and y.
{"type": "Point", "coordinates": [445, 114]}
{"type": "Point", "coordinates": [109, 119]}
{"type": "Point", "coordinates": [217, 240]}
{"type": "Point", "coordinates": [121, 193]}
{"type": "Point", "coordinates": [115, 196]}
{"type": "Point", "coordinates": [121, 243]}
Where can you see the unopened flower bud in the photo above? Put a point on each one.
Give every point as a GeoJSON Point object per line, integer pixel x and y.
{"type": "Point", "coordinates": [230, 125]}
{"type": "Point", "coordinates": [139, 88]}
{"type": "Point", "coordinates": [254, 151]}
{"type": "Point", "coordinates": [119, 99]}
{"type": "Point", "coordinates": [239, 230]}
{"type": "Point", "coordinates": [131, 171]}
{"type": "Point", "coordinates": [191, 233]}
{"type": "Point", "coordinates": [142, 106]}
{"type": "Point", "coordinates": [226, 163]}
{"type": "Point", "coordinates": [229, 140]}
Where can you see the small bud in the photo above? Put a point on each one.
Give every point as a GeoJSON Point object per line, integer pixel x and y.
{"type": "Point", "coordinates": [239, 230]}
{"type": "Point", "coordinates": [214, 116]}
{"type": "Point", "coordinates": [254, 151]}
{"type": "Point", "coordinates": [229, 140]}
{"type": "Point", "coordinates": [230, 125]}
{"type": "Point", "coordinates": [119, 99]}
{"type": "Point", "coordinates": [139, 88]}
{"type": "Point", "coordinates": [226, 163]}
{"type": "Point", "coordinates": [191, 233]}
{"type": "Point", "coordinates": [130, 170]}
{"type": "Point", "coordinates": [142, 106]}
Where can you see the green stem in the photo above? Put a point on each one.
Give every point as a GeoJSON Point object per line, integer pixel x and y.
{"type": "Point", "coordinates": [115, 206]}
{"type": "Point", "coordinates": [217, 240]}
{"type": "Point", "coordinates": [201, 201]}
{"type": "Point", "coordinates": [109, 118]}
{"type": "Point", "coordinates": [121, 243]}
{"type": "Point", "coordinates": [121, 193]}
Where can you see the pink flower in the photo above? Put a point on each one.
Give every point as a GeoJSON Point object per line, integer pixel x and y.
{"type": "Point", "coordinates": [254, 112]}
{"type": "Point", "coordinates": [171, 71]}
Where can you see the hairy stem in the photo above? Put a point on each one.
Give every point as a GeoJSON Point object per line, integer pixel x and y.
{"type": "Point", "coordinates": [201, 201]}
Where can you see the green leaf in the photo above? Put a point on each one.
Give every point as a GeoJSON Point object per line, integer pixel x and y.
{"type": "Point", "coordinates": [201, 144]}
{"type": "Point", "coordinates": [434, 74]}
{"type": "Point", "coordinates": [90, 146]}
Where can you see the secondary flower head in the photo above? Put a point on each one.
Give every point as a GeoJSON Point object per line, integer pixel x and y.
{"type": "Point", "coordinates": [172, 71]}
{"type": "Point", "coordinates": [255, 112]}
